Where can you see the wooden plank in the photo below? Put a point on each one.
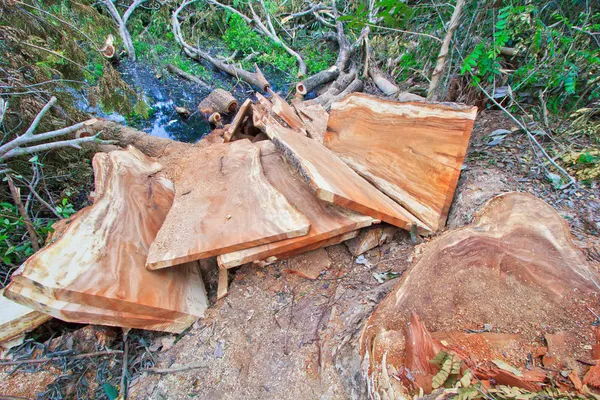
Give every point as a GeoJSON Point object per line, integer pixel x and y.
{"type": "Point", "coordinates": [237, 121]}
{"type": "Point", "coordinates": [326, 220]}
{"type": "Point", "coordinates": [223, 286]}
{"type": "Point", "coordinates": [16, 319]}
{"type": "Point", "coordinates": [83, 314]}
{"type": "Point", "coordinates": [413, 152]}
{"type": "Point", "coordinates": [225, 205]}
{"type": "Point", "coordinates": [335, 182]}
{"type": "Point", "coordinates": [314, 117]}
{"type": "Point", "coordinates": [286, 112]}
{"type": "Point", "coordinates": [99, 260]}
{"type": "Point", "coordinates": [313, 246]}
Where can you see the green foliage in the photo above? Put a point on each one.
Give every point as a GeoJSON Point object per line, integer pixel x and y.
{"type": "Point", "coordinates": [240, 36]}
{"type": "Point", "coordinates": [317, 58]}
{"type": "Point", "coordinates": [15, 245]}
{"type": "Point", "coordinates": [65, 209]}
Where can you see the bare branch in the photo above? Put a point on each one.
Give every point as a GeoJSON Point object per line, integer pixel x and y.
{"type": "Point", "coordinates": [16, 195]}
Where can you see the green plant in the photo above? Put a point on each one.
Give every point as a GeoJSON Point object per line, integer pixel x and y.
{"type": "Point", "coordinates": [65, 209]}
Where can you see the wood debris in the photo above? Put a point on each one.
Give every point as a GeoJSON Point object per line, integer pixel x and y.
{"type": "Point", "coordinates": [309, 265]}
{"type": "Point", "coordinates": [16, 320]}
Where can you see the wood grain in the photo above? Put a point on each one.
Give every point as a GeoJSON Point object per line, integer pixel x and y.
{"type": "Point", "coordinates": [515, 268]}
{"type": "Point", "coordinates": [326, 220]}
{"type": "Point", "coordinates": [99, 260]}
{"type": "Point", "coordinates": [236, 123]}
{"type": "Point", "coordinates": [224, 205]}
{"type": "Point", "coordinates": [282, 109]}
{"type": "Point", "coordinates": [313, 246]}
{"type": "Point", "coordinates": [16, 319]}
{"type": "Point", "coordinates": [83, 314]}
{"type": "Point", "coordinates": [333, 181]}
{"type": "Point", "coordinates": [314, 117]}
{"type": "Point", "coordinates": [413, 152]}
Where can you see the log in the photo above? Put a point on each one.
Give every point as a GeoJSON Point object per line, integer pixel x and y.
{"type": "Point", "coordinates": [412, 152]}
{"type": "Point", "coordinates": [334, 182]}
{"type": "Point", "coordinates": [108, 50]}
{"type": "Point", "coordinates": [237, 121]}
{"type": "Point", "coordinates": [326, 220]}
{"type": "Point", "coordinates": [226, 205]}
{"type": "Point", "coordinates": [181, 73]}
{"type": "Point", "coordinates": [16, 319]}
{"type": "Point", "coordinates": [220, 101]}
{"type": "Point", "coordinates": [216, 119]}
{"type": "Point", "coordinates": [516, 269]}
{"type": "Point", "coordinates": [311, 83]}
{"type": "Point", "coordinates": [387, 87]}
{"type": "Point", "coordinates": [99, 260]}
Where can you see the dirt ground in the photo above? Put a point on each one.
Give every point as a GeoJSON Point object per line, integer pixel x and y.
{"type": "Point", "coordinates": [280, 336]}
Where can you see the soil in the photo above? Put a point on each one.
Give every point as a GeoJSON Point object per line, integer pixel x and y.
{"type": "Point", "coordinates": [281, 336]}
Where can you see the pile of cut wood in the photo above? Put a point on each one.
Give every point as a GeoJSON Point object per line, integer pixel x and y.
{"type": "Point", "coordinates": [282, 179]}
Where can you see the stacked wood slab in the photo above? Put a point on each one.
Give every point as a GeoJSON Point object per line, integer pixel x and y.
{"type": "Point", "coordinates": [95, 271]}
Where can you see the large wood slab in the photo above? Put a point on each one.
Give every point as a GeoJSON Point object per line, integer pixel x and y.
{"type": "Point", "coordinates": [333, 181]}
{"type": "Point", "coordinates": [326, 220]}
{"type": "Point", "coordinates": [99, 260]}
{"type": "Point", "coordinates": [223, 205]}
{"type": "Point", "coordinates": [82, 314]}
{"type": "Point", "coordinates": [16, 319]}
{"type": "Point", "coordinates": [413, 152]}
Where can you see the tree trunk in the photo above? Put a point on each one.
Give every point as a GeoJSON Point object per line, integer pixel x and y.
{"type": "Point", "coordinates": [310, 83]}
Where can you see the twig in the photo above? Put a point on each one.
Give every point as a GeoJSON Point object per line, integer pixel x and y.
{"type": "Point", "coordinates": [61, 56]}
{"type": "Point", "coordinates": [123, 388]}
{"type": "Point", "coordinates": [75, 357]}
{"type": "Point", "coordinates": [16, 195]}
{"type": "Point", "coordinates": [177, 369]}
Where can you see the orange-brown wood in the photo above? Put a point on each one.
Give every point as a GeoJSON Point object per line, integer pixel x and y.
{"type": "Point", "coordinates": [223, 205]}
{"type": "Point", "coordinates": [237, 121]}
{"type": "Point", "coordinates": [99, 260]}
{"type": "Point", "coordinates": [333, 181]}
{"type": "Point", "coordinates": [16, 319]}
{"type": "Point", "coordinates": [516, 269]}
{"type": "Point", "coordinates": [326, 220]}
{"type": "Point", "coordinates": [413, 152]}
{"type": "Point", "coordinates": [282, 109]}
{"type": "Point", "coordinates": [313, 246]}
{"type": "Point", "coordinates": [83, 314]}
{"type": "Point", "coordinates": [314, 117]}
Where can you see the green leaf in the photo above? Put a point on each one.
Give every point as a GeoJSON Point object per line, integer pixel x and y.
{"type": "Point", "coordinates": [110, 391]}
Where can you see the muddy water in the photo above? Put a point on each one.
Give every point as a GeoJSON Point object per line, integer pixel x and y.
{"type": "Point", "coordinates": [164, 92]}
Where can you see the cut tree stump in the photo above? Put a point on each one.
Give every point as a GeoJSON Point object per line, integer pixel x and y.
{"type": "Point", "coordinates": [326, 220]}
{"type": "Point", "coordinates": [412, 152]}
{"type": "Point", "coordinates": [516, 270]}
{"type": "Point", "coordinates": [99, 260]}
{"type": "Point", "coordinates": [333, 181]}
{"type": "Point", "coordinates": [226, 205]}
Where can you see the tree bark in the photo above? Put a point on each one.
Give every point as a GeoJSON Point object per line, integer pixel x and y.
{"type": "Point", "coordinates": [441, 60]}
{"type": "Point", "coordinates": [309, 84]}
{"type": "Point", "coordinates": [386, 86]}
{"type": "Point", "coordinates": [181, 73]}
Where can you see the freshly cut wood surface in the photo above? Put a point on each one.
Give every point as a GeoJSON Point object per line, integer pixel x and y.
{"type": "Point", "coordinates": [286, 112]}
{"type": "Point", "coordinates": [83, 314]}
{"type": "Point", "coordinates": [515, 269]}
{"type": "Point", "coordinates": [335, 182]}
{"type": "Point", "coordinates": [413, 152]}
{"type": "Point", "coordinates": [326, 220]}
{"type": "Point", "coordinates": [99, 260]}
{"type": "Point", "coordinates": [16, 319]}
{"type": "Point", "coordinates": [223, 205]}
{"type": "Point", "coordinates": [313, 246]}
{"type": "Point", "coordinates": [370, 238]}
{"type": "Point", "coordinates": [237, 121]}
{"type": "Point", "coordinates": [314, 117]}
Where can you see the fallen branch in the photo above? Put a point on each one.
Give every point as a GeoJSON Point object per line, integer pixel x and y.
{"type": "Point", "coordinates": [385, 85]}
{"type": "Point", "coordinates": [441, 60]}
{"type": "Point", "coordinates": [14, 147]}
{"type": "Point", "coordinates": [16, 195]}
{"type": "Point", "coordinates": [122, 24]}
{"type": "Point", "coordinates": [309, 84]}
{"type": "Point", "coordinates": [75, 357]}
{"type": "Point", "coordinates": [253, 78]}
{"type": "Point", "coordinates": [177, 369]}
{"type": "Point", "coordinates": [181, 73]}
